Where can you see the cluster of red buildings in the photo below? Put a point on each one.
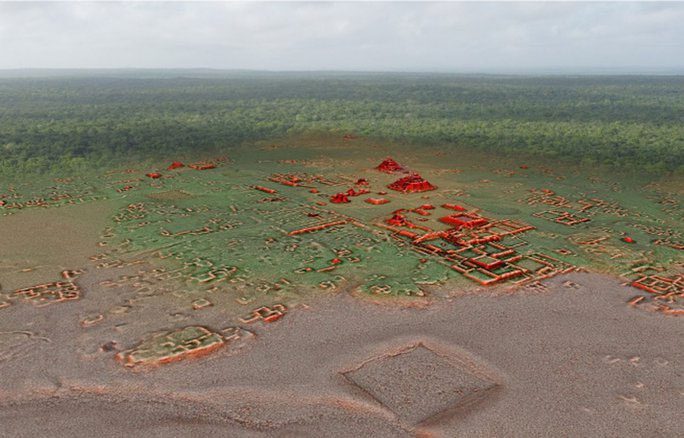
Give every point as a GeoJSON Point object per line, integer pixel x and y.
{"type": "Point", "coordinates": [473, 245]}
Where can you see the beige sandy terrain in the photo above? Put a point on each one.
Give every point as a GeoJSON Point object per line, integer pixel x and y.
{"type": "Point", "coordinates": [38, 243]}
{"type": "Point", "coordinates": [572, 361]}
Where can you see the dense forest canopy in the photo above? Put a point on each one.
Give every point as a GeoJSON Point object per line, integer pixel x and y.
{"type": "Point", "coordinates": [630, 122]}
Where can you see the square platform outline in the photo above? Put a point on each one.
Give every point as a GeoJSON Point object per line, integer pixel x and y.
{"type": "Point", "coordinates": [491, 381]}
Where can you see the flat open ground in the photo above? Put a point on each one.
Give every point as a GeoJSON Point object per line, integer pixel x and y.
{"type": "Point", "coordinates": [563, 362]}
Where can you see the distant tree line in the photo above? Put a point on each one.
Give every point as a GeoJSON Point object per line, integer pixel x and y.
{"type": "Point", "coordinates": [634, 123]}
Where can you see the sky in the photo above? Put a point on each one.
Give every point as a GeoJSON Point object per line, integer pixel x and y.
{"type": "Point", "coordinates": [356, 36]}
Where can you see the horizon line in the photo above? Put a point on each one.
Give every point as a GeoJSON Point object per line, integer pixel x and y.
{"type": "Point", "coordinates": [550, 71]}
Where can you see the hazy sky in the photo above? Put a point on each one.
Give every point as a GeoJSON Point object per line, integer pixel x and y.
{"type": "Point", "coordinates": [343, 36]}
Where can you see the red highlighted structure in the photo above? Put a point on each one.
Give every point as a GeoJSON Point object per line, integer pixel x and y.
{"type": "Point", "coordinates": [390, 166]}
{"type": "Point", "coordinates": [481, 249]}
{"type": "Point", "coordinates": [339, 198]}
{"type": "Point", "coordinates": [466, 220]}
{"type": "Point", "coordinates": [411, 184]}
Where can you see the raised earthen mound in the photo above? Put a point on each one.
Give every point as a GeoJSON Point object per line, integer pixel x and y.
{"type": "Point", "coordinates": [390, 166]}
{"type": "Point", "coordinates": [411, 183]}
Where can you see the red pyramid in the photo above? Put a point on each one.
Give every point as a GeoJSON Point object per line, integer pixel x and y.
{"type": "Point", "coordinates": [389, 166]}
{"type": "Point", "coordinates": [411, 183]}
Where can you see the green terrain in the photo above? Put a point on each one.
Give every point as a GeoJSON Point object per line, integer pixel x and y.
{"type": "Point", "coordinates": [552, 175]}
{"type": "Point", "coordinates": [630, 123]}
